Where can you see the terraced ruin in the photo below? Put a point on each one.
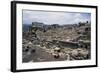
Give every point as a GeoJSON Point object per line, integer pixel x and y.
{"type": "Point", "coordinates": [56, 42]}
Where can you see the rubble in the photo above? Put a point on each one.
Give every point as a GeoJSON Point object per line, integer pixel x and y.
{"type": "Point", "coordinates": [57, 42]}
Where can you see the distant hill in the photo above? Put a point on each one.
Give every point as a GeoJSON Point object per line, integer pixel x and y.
{"type": "Point", "coordinates": [26, 27]}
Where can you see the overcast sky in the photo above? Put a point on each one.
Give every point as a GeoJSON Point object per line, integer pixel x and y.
{"type": "Point", "coordinates": [48, 17]}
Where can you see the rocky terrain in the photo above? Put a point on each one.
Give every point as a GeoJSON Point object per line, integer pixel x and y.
{"type": "Point", "coordinates": [54, 42]}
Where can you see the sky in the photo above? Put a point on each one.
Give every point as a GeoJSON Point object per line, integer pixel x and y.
{"type": "Point", "coordinates": [50, 17]}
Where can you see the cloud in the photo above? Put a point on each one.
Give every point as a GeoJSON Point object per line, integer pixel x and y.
{"type": "Point", "coordinates": [48, 17]}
